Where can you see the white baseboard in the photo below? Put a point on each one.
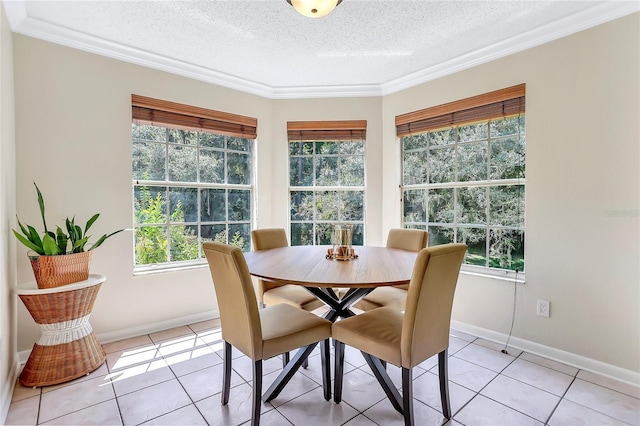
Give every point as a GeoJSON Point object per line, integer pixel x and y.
{"type": "Point", "coordinates": [574, 360]}
{"type": "Point", "coordinates": [7, 392]}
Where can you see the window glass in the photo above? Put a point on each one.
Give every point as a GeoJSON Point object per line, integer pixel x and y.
{"type": "Point", "coordinates": [189, 187]}
{"type": "Point", "coordinates": [466, 183]}
{"type": "Point", "coordinates": [326, 186]}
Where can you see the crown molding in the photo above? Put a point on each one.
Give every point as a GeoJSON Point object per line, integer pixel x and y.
{"type": "Point", "coordinates": [21, 23]}
{"type": "Point", "coordinates": [586, 19]}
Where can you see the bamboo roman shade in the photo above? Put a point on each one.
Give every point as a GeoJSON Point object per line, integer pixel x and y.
{"type": "Point", "coordinates": [171, 114]}
{"type": "Point", "coordinates": [326, 130]}
{"type": "Point", "coordinates": [501, 103]}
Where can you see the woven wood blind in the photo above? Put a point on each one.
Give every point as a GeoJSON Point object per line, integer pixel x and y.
{"type": "Point", "coordinates": [501, 103]}
{"type": "Point", "coordinates": [326, 130]}
{"type": "Point", "coordinates": [171, 114]}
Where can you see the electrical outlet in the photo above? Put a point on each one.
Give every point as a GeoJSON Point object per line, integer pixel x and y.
{"type": "Point", "coordinates": [543, 308]}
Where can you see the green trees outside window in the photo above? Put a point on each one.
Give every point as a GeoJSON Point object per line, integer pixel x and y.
{"type": "Point", "coordinates": [467, 184]}
{"type": "Point", "coordinates": [326, 186]}
{"type": "Point", "coordinates": [188, 187]}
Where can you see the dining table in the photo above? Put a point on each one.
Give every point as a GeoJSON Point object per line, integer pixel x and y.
{"type": "Point", "coordinates": [327, 278]}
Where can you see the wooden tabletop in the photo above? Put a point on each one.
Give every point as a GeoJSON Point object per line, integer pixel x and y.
{"type": "Point", "coordinates": [308, 266]}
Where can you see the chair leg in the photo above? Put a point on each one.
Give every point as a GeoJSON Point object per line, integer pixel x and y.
{"type": "Point", "coordinates": [339, 371]}
{"type": "Point", "coordinates": [325, 357]}
{"type": "Point", "coordinates": [407, 395]}
{"type": "Point", "coordinates": [226, 373]}
{"type": "Point", "coordinates": [256, 403]}
{"type": "Point", "coordinates": [305, 364]}
{"type": "Point", "coordinates": [443, 374]}
{"type": "Point", "coordinates": [285, 359]}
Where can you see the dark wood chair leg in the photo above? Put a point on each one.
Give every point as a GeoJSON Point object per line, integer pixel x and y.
{"type": "Point", "coordinates": [339, 371]}
{"type": "Point", "coordinates": [256, 403]}
{"type": "Point", "coordinates": [443, 374]}
{"type": "Point", "coordinates": [305, 364]}
{"type": "Point", "coordinates": [226, 373]}
{"type": "Point", "coordinates": [325, 357]}
{"type": "Point", "coordinates": [285, 359]}
{"type": "Point", "coordinates": [407, 395]}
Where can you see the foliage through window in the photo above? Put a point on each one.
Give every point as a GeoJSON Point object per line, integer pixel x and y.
{"type": "Point", "coordinates": [463, 175]}
{"type": "Point", "coordinates": [326, 186]}
{"type": "Point", "coordinates": [466, 184]}
{"type": "Point", "coordinates": [189, 187]}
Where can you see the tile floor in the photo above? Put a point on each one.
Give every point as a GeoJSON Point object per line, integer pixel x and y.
{"type": "Point", "coordinates": [174, 378]}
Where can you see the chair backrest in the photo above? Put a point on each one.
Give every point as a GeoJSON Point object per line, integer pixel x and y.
{"type": "Point", "coordinates": [264, 239]}
{"type": "Point", "coordinates": [237, 303]}
{"type": "Point", "coordinates": [268, 238]}
{"type": "Point", "coordinates": [427, 315]}
{"type": "Point", "coordinates": [407, 239]}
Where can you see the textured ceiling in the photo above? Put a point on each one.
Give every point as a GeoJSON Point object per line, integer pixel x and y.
{"type": "Point", "coordinates": [365, 47]}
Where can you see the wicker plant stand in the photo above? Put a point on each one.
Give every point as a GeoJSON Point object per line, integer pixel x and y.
{"type": "Point", "coordinates": [67, 347]}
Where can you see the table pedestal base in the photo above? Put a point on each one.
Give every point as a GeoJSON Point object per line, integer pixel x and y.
{"type": "Point", "coordinates": [50, 365]}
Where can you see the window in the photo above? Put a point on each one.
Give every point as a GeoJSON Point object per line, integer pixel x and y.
{"type": "Point", "coordinates": [463, 176]}
{"type": "Point", "coordinates": [192, 181]}
{"type": "Point", "coordinates": [326, 179]}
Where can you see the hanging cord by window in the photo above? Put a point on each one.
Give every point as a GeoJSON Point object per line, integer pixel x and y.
{"type": "Point", "coordinates": [513, 315]}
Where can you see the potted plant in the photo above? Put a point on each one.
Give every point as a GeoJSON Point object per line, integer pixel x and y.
{"type": "Point", "coordinates": [60, 258]}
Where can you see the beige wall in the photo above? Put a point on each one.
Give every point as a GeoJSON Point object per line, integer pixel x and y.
{"type": "Point", "coordinates": [583, 152]}
{"type": "Point", "coordinates": [8, 359]}
{"type": "Point", "coordinates": [73, 130]}
{"type": "Point", "coordinates": [73, 138]}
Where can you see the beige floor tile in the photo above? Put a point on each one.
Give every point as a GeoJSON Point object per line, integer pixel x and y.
{"type": "Point", "coordinates": [522, 397]}
{"type": "Point", "coordinates": [571, 414]}
{"type": "Point", "coordinates": [74, 397]}
{"type": "Point", "coordinates": [122, 345]}
{"type": "Point", "coordinates": [172, 333]}
{"type": "Point", "coordinates": [613, 384]}
{"type": "Point", "coordinates": [615, 404]}
{"type": "Point", "coordinates": [485, 357]}
{"type": "Point", "coordinates": [188, 415]}
{"type": "Point", "coordinates": [23, 411]}
{"type": "Point", "coordinates": [207, 382]}
{"type": "Point", "coordinates": [455, 344]}
{"type": "Point", "coordinates": [555, 365]}
{"type": "Point", "coordinates": [191, 361]}
{"type": "Point", "coordinates": [236, 412]}
{"type": "Point", "coordinates": [384, 414]}
{"type": "Point", "coordinates": [539, 376]}
{"type": "Point", "coordinates": [205, 325]}
{"type": "Point", "coordinates": [311, 409]}
{"type": "Point", "coordinates": [124, 359]}
{"type": "Point", "coordinates": [361, 390]}
{"type": "Point", "coordinates": [467, 374]}
{"type": "Point", "coordinates": [483, 411]}
{"type": "Point", "coordinates": [426, 388]}
{"type": "Point", "coordinates": [105, 413]}
{"type": "Point", "coordinates": [140, 376]}
{"type": "Point", "coordinates": [298, 385]}
{"type": "Point", "coordinates": [151, 402]}
{"type": "Point", "coordinates": [21, 392]}
{"type": "Point", "coordinates": [497, 347]}
{"type": "Point", "coordinates": [360, 420]}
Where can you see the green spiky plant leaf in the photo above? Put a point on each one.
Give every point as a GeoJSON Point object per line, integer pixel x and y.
{"type": "Point", "coordinates": [53, 244]}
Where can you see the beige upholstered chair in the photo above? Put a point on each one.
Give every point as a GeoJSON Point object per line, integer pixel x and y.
{"type": "Point", "coordinates": [272, 293]}
{"type": "Point", "coordinates": [406, 340]}
{"type": "Point", "coordinates": [395, 297]}
{"type": "Point", "coordinates": [260, 333]}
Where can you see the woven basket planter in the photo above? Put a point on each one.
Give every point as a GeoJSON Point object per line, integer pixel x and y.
{"type": "Point", "coordinates": [54, 271]}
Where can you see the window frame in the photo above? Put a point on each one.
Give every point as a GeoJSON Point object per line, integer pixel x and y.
{"type": "Point", "coordinates": [314, 132]}
{"type": "Point", "coordinates": [228, 130]}
{"type": "Point", "coordinates": [444, 117]}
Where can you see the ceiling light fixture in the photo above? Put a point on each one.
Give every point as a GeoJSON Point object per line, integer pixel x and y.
{"type": "Point", "coordinates": [314, 8]}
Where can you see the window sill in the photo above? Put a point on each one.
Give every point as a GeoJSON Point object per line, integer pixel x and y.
{"type": "Point", "coordinates": [150, 270]}
{"type": "Point", "coordinates": [496, 274]}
